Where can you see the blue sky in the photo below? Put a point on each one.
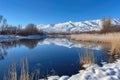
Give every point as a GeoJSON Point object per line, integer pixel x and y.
{"type": "Point", "coordinates": [56, 11]}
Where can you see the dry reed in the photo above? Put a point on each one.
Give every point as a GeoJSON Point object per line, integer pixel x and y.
{"type": "Point", "coordinates": [112, 38]}
{"type": "Point", "coordinates": [12, 72]}
{"type": "Point", "coordinates": [87, 58]}
{"type": "Point", "coordinates": [108, 37]}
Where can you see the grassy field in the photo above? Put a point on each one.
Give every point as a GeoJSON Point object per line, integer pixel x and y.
{"type": "Point", "coordinates": [112, 38]}
{"type": "Point", "coordinates": [102, 38]}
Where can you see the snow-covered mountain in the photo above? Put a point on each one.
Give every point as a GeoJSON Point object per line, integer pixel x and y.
{"type": "Point", "coordinates": [70, 27]}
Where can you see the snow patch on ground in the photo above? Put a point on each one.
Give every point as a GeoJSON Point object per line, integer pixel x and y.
{"type": "Point", "coordinates": [109, 71]}
{"type": "Point", "coordinates": [10, 37]}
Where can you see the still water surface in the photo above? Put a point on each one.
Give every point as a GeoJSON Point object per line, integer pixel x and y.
{"type": "Point", "coordinates": [52, 56]}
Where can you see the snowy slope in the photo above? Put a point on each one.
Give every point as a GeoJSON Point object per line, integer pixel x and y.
{"type": "Point", "coordinates": [70, 27]}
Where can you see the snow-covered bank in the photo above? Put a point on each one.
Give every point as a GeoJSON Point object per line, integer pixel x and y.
{"type": "Point", "coordinates": [109, 71]}
{"type": "Point", "coordinates": [10, 37]}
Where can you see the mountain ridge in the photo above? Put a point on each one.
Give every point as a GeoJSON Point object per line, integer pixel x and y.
{"type": "Point", "coordinates": [70, 27]}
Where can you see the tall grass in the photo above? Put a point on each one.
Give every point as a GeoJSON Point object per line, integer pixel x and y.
{"type": "Point", "coordinates": [24, 74]}
{"type": "Point", "coordinates": [112, 38]}
{"type": "Point", "coordinates": [115, 50]}
{"type": "Point", "coordinates": [24, 70]}
{"type": "Point", "coordinates": [109, 33]}
{"type": "Point", "coordinates": [103, 38]}
{"type": "Point", "coordinates": [87, 59]}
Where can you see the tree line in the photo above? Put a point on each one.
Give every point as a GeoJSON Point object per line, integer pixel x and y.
{"type": "Point", "coordinates": [6, 29]}
{"type": "Point", "coordinates": [31, 29]}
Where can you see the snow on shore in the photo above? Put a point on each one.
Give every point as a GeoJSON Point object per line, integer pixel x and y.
{"type": "Point", "coordinates": [109, 71]}
{"type": "Point", "coordinates": [10, 37]}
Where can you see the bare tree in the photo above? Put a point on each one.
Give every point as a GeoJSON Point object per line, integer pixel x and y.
{"type": "Point", "coordinates": [3, 24]}
{"type": "Point", "coordinates": [106, 25]}
{"type": "Point", "coordinates": [31, 29]}
{"type": "Point", "coordinates": [1, 17]}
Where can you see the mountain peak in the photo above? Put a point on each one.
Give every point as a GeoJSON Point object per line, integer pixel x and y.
{"type": "Point", "coordinates": [70, 26]}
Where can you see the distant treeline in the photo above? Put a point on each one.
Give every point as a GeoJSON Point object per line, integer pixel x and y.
{"type": "Point", "coordinates": [31, 29]}
{"type": "Point", "coordinates": [6, 29]}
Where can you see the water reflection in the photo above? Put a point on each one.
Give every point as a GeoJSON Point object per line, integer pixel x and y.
{"type": "Point", "coordinates": [9, 44]}
{"type": "Point", "coordinates": [95, 46]}
{"type": "Point", "coordinates": [59, 42]}
{"type": "Point", "coordinates": [56, 56]}
{"type": "Point", "coordinates": [29, 43]}
{"type": "Point", "coordinates": [87, 59]}
{"type": "Point", "coordinates": [3, 52]}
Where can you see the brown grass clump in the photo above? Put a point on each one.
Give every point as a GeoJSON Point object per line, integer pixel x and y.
{"type": "Point", "coordinates": [25, 75]}
{"type": "Point", "coordinates": [87, 58]}
{"type": "Point", "coordinates": [24, 70]}
{"type": "Point", "coordinates": [115, 50]}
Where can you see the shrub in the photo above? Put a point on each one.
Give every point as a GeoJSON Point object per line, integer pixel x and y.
{"type": "Point", "coordinates": [106, 25]}
{"type": "Point", "coordinates": [30, 29]}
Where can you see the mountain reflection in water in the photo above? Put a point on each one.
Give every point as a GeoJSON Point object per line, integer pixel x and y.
{"type": "Point", "coordinates": [52, 56]}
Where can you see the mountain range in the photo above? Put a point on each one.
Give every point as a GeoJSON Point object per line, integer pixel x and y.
{"type": "Point", "coordinates": [71, 27]}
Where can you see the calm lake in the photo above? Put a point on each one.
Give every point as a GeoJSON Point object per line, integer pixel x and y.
{"type": "Point", "coordinates": [53, 56]}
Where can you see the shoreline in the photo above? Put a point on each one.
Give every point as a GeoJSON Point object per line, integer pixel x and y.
{"type": "Point", "coordinates": [109, 71]}
{"type": "Point", "coordinates": [17, 37]}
